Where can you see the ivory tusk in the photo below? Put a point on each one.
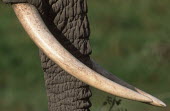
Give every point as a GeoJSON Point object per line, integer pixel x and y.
{"type": "Point", "coordinates": [39, 33]}
{"type": "Point", "coordinates": [112, 77]}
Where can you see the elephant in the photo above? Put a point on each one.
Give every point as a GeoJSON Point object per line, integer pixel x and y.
{"type": "Point", "coordinates": [61, 29]}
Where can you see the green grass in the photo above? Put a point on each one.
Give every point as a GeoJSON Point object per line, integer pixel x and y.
{"type": "Point", "coordinates": [129, 38]}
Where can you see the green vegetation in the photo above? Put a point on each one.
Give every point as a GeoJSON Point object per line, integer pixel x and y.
{"type": "Point", "coordinates": [129, 38]}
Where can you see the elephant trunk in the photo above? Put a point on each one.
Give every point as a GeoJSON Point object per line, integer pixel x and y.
{"type": "Point", "coordinates": [65, 92]}
{"type": "Point", "coordinates": [68, 20]}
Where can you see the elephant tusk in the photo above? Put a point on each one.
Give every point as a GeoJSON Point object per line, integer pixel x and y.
{"type": "Point", "coordinates": [39, 33]}
{"type": "Point", "coordinates": [112, 77]}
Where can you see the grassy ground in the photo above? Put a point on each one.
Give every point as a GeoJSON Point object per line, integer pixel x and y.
{"type": "Point", "coordinates": [130, 38]}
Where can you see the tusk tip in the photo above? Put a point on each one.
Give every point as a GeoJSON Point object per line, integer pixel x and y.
{"type": "Point", "coordinates": [163, 104]}
{"type": "Point", "coordinates": [155, 101]}
{"type": "Point", "coordinates": [158, 103]}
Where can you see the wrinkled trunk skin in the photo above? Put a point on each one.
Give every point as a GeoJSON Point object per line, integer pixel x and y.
{"type": "Point", "coordinates": [67, 20]}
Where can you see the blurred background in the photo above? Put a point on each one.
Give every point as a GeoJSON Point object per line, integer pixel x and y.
{"type": "Point", "coordinates": [129, 38]}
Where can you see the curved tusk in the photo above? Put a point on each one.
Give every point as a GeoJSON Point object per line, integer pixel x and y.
{"type": "Point", "coordinates": [39, 33]}
{"type": "Point", "coordinates": [112, 77]}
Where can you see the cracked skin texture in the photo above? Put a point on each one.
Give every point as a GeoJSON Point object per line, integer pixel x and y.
{"type": "Point", "coordinates": [68, 21]}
